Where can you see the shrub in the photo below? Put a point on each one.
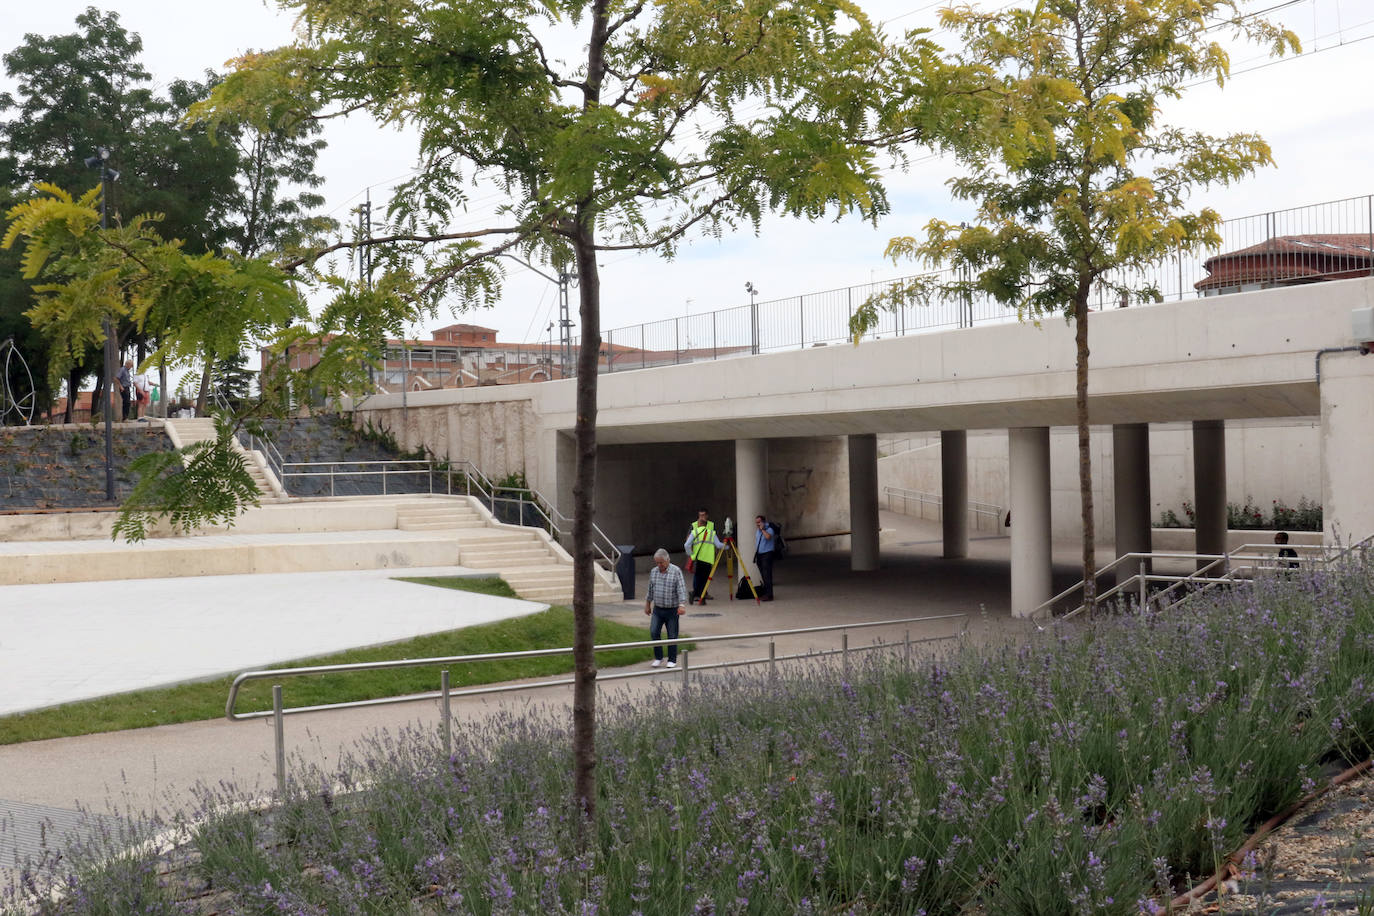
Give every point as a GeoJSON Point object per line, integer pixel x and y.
{"type": "Point", "coordinates": [1078, 772]}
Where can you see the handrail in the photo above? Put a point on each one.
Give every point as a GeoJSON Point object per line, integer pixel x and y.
{"type": "Point", "coordinates": [1235, 565]}
{"type": "Point", "coordinates": [445, 694]}
{"type": "Point", "coordinates": [558, 524]}
{"type": "Point", "coordinates": [977, 508]}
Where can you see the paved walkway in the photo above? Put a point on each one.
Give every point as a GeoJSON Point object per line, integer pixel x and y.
{"type": "Point", "coordinates": [158, 768]}
{"type": "Point", "coordinates": [78, 640]}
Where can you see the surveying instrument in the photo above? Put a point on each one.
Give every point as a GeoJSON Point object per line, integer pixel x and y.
{"type": "Point", "coordinates": [730, 554]}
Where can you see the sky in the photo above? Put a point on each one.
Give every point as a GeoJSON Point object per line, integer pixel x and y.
{"type": "Point", "coordinates": [1316, 111]}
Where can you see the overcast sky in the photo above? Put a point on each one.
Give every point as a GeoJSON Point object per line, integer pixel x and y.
{"type": "Point", "coordinates": [1317, 112]}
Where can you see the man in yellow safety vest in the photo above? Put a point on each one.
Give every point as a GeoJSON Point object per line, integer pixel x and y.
{"type": "Point", "coordinates": [701, 546]}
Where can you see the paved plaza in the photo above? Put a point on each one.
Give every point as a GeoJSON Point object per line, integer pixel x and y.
{"type": "Point", "coordinates": [78, 640]}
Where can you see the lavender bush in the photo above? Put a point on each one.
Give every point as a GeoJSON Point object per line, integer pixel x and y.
{"type": "Point", "coordinates": [1087, 771]}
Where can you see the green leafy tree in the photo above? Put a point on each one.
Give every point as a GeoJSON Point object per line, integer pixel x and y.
{"type": "Point", "coordinates": [1077, 178]}
{"type": "Point", "coordinates": [673, 117]}
{"type": "Point", "coordinates": [89, 276]}
{"type": "Point", "coordinates": [74, 94]}
{"type": "Point", "coordinates": [248, 190]}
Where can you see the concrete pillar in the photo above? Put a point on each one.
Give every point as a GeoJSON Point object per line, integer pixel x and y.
{"type": "Point", "coordinates": [954, 492]}
{"type": "Point", "coordinates": [1347, 437]}
{"type": "Point", "coordinates": [863, 502]}
{"type": "Point", "coordinates": [751, 495]}
{"type": "Point", "coordinates": [1209, 486]}
{"type": "Point", "coordinates": [1131, 496]}
{"type": "Point", "coordinates": [1028, 457]}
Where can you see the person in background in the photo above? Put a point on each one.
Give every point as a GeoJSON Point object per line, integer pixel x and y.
{"type": "Point", "coordinates": [1288, 557]}
{"type": "Point", "coordinates": [665, 602]}
{"type": "Point", "coordinates": [124, 378]}
{"type": "Point", "coordinates": [701, 546]}
{"type": "Point", "coordinates": [764, 544]}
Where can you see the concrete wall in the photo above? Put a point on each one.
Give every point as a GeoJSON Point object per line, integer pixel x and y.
{"type": "Point", "coordinates": [497, 436]}
{"type": "Point", "coordinates": [808, 492]}
{"type": "Point", "coordinates": [648, 495]}
{"type": "Point", "coordinates": [1265, 460]}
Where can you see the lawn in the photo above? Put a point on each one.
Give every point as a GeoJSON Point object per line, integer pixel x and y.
{"type": "Point", "coordinates": [205, 699]}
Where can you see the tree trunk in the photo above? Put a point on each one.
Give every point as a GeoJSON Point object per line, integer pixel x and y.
{"type": "Point", "coordinates": [73, 389]}
{"type": "Point", "coordinates": [584, 501]}
{"type": "Point", "coordinates": [581, 233]}
{"type": "Point", "coordinates": [100, 392]}
{"type": "Point", "coordinates": [201, 396]}
{"type": "Point", "coordinates": [1085, 468]}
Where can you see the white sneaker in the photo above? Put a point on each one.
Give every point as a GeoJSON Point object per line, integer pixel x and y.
{"type": "Point", "coordinates": [672, 664]}
{"type": "Point", "coordinates": [658, 661]}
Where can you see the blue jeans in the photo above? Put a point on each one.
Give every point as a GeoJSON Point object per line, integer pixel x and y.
{"type": "Point", "coordinates": [664, 616]}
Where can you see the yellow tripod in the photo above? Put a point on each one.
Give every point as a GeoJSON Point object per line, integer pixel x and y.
{"type": "Point", "coordinates": [730, 554]}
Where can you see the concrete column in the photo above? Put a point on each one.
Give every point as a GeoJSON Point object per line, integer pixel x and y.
{"type": "Point", "coordinates": [863, 503]}
{"type": "Point", "coordinates": [751, 495]}
{"type": "Point", "coordinates": [954, 492]}
{"type": "Point", "coordinates": [1347, 437]}
{"type": "Point", "coordinates": [1028, 456]}
{"type": "Point", "coordinates": [1209, 486]}
{"type": "Point", "coordinates": [1131, 496]}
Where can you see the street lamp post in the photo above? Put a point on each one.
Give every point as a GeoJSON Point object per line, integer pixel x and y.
{"type": "Point", "coordinates": [101, 161]}
{"type": "Point", "coordinates": [753, 292]}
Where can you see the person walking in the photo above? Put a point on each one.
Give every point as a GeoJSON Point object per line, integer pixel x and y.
{"type": "Point", "coordinates": [701, 546]}
{"type": "Point", "coordinates": [765, 542]}
{"type": "Point", "coordinates": [124, 378]}
{"type": "Point", "coordinates": [665, 602]}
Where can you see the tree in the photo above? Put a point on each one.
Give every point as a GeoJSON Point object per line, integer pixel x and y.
{"type": "Point", "coordinates": [680, 115]}
{"type": "Point", "coordinates": [253, 191]}
{"type": "Point", "coordinates": [92, 275]}
{"type": "Point", "coordinates": [1076, 177]}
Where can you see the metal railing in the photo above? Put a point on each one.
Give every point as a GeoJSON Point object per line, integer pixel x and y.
{"type": "Point", "coordinates": [527, 506]}
{"type": "Point", "coordinates": [513, 505]}
{"type": "Point", "coordinates": [985, 515]}
{"type": "Point", "coordinates": [1235, 567]}
{"type": "Point", "coordinates": [445, 694]}
{"type": "Point", "coordinates": [1266, 249]}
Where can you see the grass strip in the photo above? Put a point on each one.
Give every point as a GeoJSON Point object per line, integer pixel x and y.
{"type": "Point", "coordinates": [205, 699]}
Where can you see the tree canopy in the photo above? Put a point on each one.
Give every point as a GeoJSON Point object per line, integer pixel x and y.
{"type": "Point", "coordinates": [1077, 178]}
{"type": "Point", "coordinates": [611, 125]}
{"type": "Point", "coordinates": [75, 93]}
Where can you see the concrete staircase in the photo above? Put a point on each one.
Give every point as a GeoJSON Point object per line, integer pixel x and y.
{"type": "Point", "coordinates": [445, 516]}
{"type": "Point", "coordinates": [185, 432]}
{"type": "Point", "coordinates": [524, 557]}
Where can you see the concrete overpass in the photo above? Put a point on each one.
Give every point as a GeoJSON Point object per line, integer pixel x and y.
{"type": "Point", "coordinates": [760, 434]}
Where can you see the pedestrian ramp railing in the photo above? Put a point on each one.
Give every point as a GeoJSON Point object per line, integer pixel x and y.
{"type": "Point", "coordinates": [984, 516]}
{"type": "Point", "coordinates": [1139, 585]}
{"type": "Point", "coordinates": [686, 672]}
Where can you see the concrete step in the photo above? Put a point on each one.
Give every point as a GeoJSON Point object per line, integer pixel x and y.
{"type": "Point", "coordinates": [522, 555]}
{"type": "Point", "coordinates": [441, 524]}
{"type": "Point", "coordinates": [506, 563]}
{"type": "Point", "coordinates": [446, 508]}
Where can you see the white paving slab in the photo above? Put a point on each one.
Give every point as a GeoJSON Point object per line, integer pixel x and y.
{"type": "Point", "coordinates": [78, 640]}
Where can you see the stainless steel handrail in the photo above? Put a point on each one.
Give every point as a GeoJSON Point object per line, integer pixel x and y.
{"type": "Point", "coordinates": [445, 694]}
{"type": "Point", "coordinates": [1236, 565]}
{"type": "Point", "coordinates": [986, 510]}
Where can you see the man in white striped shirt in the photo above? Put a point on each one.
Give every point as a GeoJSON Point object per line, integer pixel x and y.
{"type": "Point", "coordinates": [664, 604]}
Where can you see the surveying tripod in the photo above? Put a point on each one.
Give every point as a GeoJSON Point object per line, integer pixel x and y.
{"type": "Point", "coordinates": [730, 554]}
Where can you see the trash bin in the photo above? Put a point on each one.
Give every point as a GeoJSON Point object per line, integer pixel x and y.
{"type": "Point", "coordinates": [625, 569]}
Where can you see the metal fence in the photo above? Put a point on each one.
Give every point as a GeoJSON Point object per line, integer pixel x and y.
{"type": "Point", "coordinates": [1332, 240]}
{"type": "Point", "coordinates": [445, 694]}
